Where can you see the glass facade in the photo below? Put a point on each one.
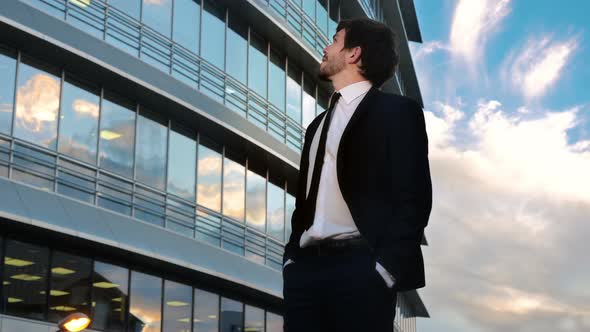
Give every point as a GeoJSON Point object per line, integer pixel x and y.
{"type": "Point", "coordinates": [43, 283]}
{"type": "Point", "coordinates": [64, 131]}
{"type": "Point", "coordinates": [128, 158]}
{"type": "Point", "coordinates": [210, 48]}
{"type": "Point", "coordinates": [8, 71]}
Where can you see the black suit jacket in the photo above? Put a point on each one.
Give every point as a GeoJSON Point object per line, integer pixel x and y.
{"type": "Point", "coordinates": [384, 176]}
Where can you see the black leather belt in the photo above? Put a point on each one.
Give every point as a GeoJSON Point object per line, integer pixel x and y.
{"type": "Point", "coordinates": [333, 247]}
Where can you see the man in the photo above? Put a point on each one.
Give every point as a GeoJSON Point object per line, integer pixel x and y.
{"type": "Point", "coordinates": [364, 194]}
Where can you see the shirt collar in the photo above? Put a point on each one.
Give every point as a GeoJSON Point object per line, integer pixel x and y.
{"type": "Point", "coordinates": [354, 90]}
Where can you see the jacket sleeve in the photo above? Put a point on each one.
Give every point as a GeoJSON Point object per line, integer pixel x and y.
{"type": "Point", "coordinates": [407, 158]}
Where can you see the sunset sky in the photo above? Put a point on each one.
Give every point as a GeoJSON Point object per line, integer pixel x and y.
{"type": "Point", "coordinates": [507, 108]}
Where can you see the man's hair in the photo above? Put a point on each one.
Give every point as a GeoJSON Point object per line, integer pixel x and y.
{"type": "Point", "coordinates": [378, 49]}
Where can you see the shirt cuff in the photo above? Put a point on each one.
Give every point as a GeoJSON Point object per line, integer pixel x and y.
{"type": "Point", "coordinates": [388, 277]}
{"type": "Point", "coordinates": [288, 261]}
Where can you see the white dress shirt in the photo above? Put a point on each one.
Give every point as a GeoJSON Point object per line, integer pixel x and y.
{"type": "Point", "coordinates": [332, 218]}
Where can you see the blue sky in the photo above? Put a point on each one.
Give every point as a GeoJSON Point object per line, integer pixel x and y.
{"type": "Point", "coordinates": [507, 109]}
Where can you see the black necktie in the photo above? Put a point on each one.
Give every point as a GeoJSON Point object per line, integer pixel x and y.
{"type": "Point", "coordinates": [310, 202]}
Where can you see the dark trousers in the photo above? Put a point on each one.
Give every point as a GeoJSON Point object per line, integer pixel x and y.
{"type": "Point", "coordinates": [341, 292]}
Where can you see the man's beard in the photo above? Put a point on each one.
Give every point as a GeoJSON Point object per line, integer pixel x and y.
{"type": "Point", "coordinates": [330, 68]}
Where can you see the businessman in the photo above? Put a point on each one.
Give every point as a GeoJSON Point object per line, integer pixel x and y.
{"type": "Point", "coordinates": [364, 194]}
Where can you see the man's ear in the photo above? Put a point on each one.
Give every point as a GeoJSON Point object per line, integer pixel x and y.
{"type": "Point", "coordinates": [355, 55]}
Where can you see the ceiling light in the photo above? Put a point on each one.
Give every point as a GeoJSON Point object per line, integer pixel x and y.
{"type": "Point", "coordinates": [25, 277]}
{"type": "Point", "coordinates": [176, 303]}
{"type": "Point", "coordinates": [16, 262]}
{"type": "Point", "coordinates": [62, 271]}
{"type": "Point", "coordinates": [14, 300]}
{"type": "Point", "coordinates": [104, 284]}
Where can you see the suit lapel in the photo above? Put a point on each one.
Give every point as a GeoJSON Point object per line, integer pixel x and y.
{"type": "Point", "coordinates": [359, 112]}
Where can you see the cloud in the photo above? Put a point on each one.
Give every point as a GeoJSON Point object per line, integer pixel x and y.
{"type": "Point", "coordinates": [509, 223]}
{"type": "Point", "coordinates": [537, 66]}
{"type": "Point", "coordinates": [473, 23]}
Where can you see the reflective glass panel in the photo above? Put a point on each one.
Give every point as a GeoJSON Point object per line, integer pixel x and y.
{"type": "Point", "coordinates": [37, 105]}
{"type": "Point", "coordinates": [8, 71]}
{"type": "Point", "coordinates": [206, 311]}
{"type": "Point", "coordinates": [129, 7]}
{"type": "Point", "coordinates": [257, 64]}
{"type": "Point", "coordinates": [181, 165]}
{"type": "Point", "coordinates": [177, 307]}
{"type": "Point", "coordinates": [322, 104]}
{"type": "Point", "coordinates": [276, 90]}
{"type": "Point", "coordinates": [309, 8]}
{"type": "Point", "coordinates": [253, 319]}
{"type": "Point", "coordinates": [237, 48]}
{"type": "Point", "coordinates": [209, 178]}
{"type": "Point", "coordinates": [187, 16]}
{"type": "Point", "coordinates": [256, 201]}
{"type": "Point", "coordinates": [157, 15]}
{"type": "Point", "coordinates": [25, 280]}
{"type": "Point", "coordinates": [322, 16]}
{"type": "Point", "coordinates": [234, 175]}
{"type": "Point", "coordinates": [276, 211]}
{"type": "Point", "coordinates": [308, 101]}
{"type": "Point", "coordinates": [213, 49]}
{"type": "Point", "coordinates": [150, 154]}
{"type": "Point", "coordinates": [290, 202]}
{"type": "Point", "coordinates": [78, 125]}
{"type": "Point", "coordinates": [69, 287]}
{"type": "Point", "coordinates": [333, 20]}
{"type": "Point", "coordinates": [109, 295]}
{"type": "Point", "coordinates": [145, 303]}
{"type": "Point", "coordinates": [294, 93]}
{"type": "Point", "coordinates": [274, 322]}
{"type": "Point", "coordinates": [232, 315]}
{"type": "Point", "coordinates": [117, 129]}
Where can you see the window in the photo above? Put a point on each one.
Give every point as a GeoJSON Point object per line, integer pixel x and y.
{"type": "Point", "coordinates": [232, 315]}
{"type": "Point", "coordinates": [256, 201]}
{"type": "Point", "coordinates": [78, 126]}
{"type": "Point", "coordinates": [234, 175]}
{"type": "Point", "coordinates": [213, 50]}
{"type": "Point", "coordinates": [276, 90]}
{"type": "Point", "coordinates": [308, 101]}
{"type": "Point", "coordinates": [294, 93]}
{"type": "Point", "coordinates": [274, 322]}
{"type": "Point", "coordinates": [177, 307]}
{"type": "Point", "coordinates": [129, 7]}
{"type": "Point", "coordinates": [187, 16]}
{"type": "Point", "coordinates": [257, 64]}
{"type": "Point", "coordinates": [237, 48]}
{"type": "Point", "coordinates": [209, 178]}
{"type": "Point", "coordinates": [117, 130]}
{"type": "Point", "coordinates": [205, 312]}
{"type": "Point", "coordinates": [37, 104]}
{"type": "Point", "coordinates": [69, 289]}
{"type": "Point", "coordinates": [25, 280]}
{"type": "Point", "coordinates": [157, 15]}
{"type": "Point", "coordinates": [290, 208]}
{"type": "Point", "coordinates": [110, 296]}
{"type": "Point", "coordinates": [322, 16]}
{"type": "Point", "coordinates": [276, 211]}
{"type": "Point", "coordinates": [150, 154]}
{"type": "Point", "coordinates": [145, 303]}
{"type": "Point", "coordinates": [253, 319]}
{"type": "Point", "coordinates": [181, 165]}
{"type": "Point", "coordinates": [8, 71]}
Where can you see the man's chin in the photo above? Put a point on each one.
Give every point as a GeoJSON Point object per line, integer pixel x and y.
{"type": "Point", "coordinates": [323, 77]}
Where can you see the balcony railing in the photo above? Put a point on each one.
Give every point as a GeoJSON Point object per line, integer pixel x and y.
{"type": "Point", "coordinates": [55, 172]}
